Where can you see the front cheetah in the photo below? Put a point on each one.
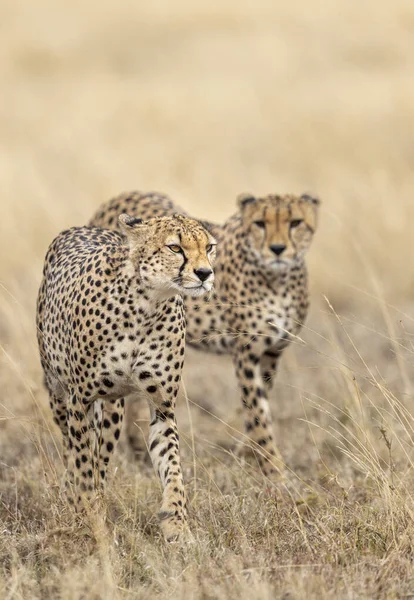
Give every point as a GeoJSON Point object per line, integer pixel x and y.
{"type": "Point", "coordinates": [261, 292]}
{"type": "Point", "coordinates": [110, 322]}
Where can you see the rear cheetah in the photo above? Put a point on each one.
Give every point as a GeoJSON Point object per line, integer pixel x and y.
{"type": "Point", "coordinates": [110, 322]}
{"type": "Point", "coordinates": [261, 292]}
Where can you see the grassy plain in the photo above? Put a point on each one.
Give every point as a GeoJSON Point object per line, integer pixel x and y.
{"type": "Point", "coordinates": [204, 100]}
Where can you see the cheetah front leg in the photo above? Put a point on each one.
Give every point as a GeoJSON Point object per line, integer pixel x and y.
{"type": "Point", "coordinates": [108, 418]}
{"type": "Point", "coordinates": [136, 417]}
{"type": "Point", "coordinates": [268, 368]}
{"type": "Point", "coordinates": [258, 420]}
{"type": "Point", "coordinates": [165, 454]}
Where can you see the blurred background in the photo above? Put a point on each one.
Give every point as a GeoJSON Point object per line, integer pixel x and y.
{"type": "Point", "coordinates": [204, 100]}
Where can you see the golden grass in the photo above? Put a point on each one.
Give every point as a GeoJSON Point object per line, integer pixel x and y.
{"type": "Point", "coordinates": [205, 100]}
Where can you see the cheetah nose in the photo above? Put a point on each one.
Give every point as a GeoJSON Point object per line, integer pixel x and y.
{"type": "Point", "coordinates": [278, 248]}
{"type": "Point", "coordinates": [203, 273]}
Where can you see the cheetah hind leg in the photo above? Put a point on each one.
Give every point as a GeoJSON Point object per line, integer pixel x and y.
{"type": "Point", "coordinates": [82, 480]}
{"type": "Point", "coordinates": [58, 398]}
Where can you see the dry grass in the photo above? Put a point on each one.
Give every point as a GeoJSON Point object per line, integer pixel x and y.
{"type": "Point", "coordinates": [205, 100]}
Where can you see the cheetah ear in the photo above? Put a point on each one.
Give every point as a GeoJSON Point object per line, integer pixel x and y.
{"type": "Point", "coordinates": [311, 199]}
{"type": "Point", "coordinates": [132, 227]}
{"type": "Point", "coordinates": [244, 199]}
{"type": "Point", "coordinates": [207, 226]}
{"type": "Point", "coordinates": [127, 222]}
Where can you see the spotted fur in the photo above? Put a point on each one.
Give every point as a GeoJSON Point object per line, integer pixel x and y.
{"type": "Point", "coordinates": [261, 293]}
{"type": "Point", "coordinates": [110, 323]}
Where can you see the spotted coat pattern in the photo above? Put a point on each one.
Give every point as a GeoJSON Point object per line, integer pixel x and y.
{"type": "Point", "coordinates": [260, 300]}
{"type": "Point", "coordinates": [110, 323]}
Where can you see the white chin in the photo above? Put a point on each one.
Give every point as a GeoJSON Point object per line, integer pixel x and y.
{"type": "Point", "coordinates": [279, 265]}
{"type": "Point", "coordinates": [160, 294]}
{"type": "Point", "coordinates": [195, 292]}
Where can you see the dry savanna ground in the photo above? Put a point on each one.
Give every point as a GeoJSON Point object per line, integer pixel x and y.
{"type": "Point", "coordinates": [204, 100]}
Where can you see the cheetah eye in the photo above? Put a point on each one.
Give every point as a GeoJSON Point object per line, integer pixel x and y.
{"type": "Point", "coordinates": [295, 223]}
{"type": "Point", "coordinates": [175, 248]}
{"type": "Point", "coordinates": [210, 247]}
{"type": "Point", "coordinates": [260, 224]}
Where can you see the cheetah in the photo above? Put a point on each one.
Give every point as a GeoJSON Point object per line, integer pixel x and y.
{"type": "Point", "coordinates": [110, 322]}
{"type": "Point", "coordinates": [261, 297]}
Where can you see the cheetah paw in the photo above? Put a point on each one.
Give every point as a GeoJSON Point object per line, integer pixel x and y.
{"type": "Point", "coordinates": [173, 527]}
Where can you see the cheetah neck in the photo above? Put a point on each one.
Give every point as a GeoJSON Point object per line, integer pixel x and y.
{"type": "Point", "coordinates": [277, 277]}
{"type": "Point", "coordinates": [129, 290]}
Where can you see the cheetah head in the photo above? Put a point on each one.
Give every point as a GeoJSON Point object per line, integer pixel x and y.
{"type": "Point", "coordinates": [279, 229]}
{"type": "Point", "coordinates": [172, 254]}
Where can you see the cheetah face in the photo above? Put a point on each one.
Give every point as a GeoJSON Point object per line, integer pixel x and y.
{"type": "Point", "coordinates": [172, 254]}
{"type": "Point", "coordinates": [279, 229]}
